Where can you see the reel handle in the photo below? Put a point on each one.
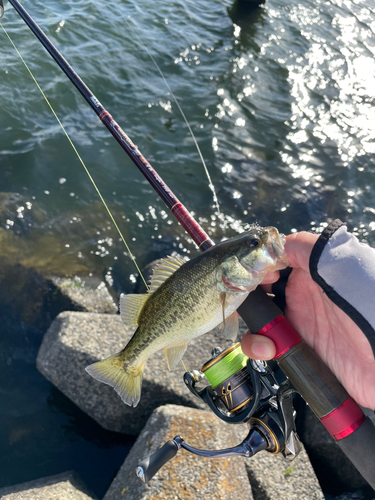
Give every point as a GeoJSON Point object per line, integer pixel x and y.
{"type": "Point", "coordinates": [149, 466]}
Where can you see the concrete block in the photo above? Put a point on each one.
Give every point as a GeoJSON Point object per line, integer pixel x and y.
{"type": "Point", "coordinates": [60, 487]}
{"type": "Point", "coordinates": [76, 339]}
{"type": "Point", "coordinates": [263, 477]}
{"type": "Point", "coordinates": [87, 294]}
{"type": "Point", "coordinates": [273, 478]}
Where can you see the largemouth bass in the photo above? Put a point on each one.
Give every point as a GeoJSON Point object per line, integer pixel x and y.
{"type": "Point", "coordinates": [185, 301]}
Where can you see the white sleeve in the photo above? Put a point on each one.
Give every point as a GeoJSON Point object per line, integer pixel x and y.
{"type": "Point", "coordinates": [345, 269]}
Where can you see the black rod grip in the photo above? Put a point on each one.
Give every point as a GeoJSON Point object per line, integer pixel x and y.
{"type": "Point", "coordinates": [258, 310]}
{"type": "Point", "coordinates": [359, 447]}
{"type": "Point", "coordinates": [152, 464]}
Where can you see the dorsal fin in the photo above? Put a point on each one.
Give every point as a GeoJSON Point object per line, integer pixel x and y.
{"type": "Point", "coordinates": [130, 307]}
{"type": "Point", "coordinates": [162, 271]}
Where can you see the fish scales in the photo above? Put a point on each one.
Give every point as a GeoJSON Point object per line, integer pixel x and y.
{"type": "Point", "coordinates": [177, 308]}
{"type": "Point", "coordinates": [187, 300]}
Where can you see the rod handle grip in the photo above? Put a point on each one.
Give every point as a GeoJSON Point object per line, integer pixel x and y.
{"type": "Point", "coordinates": [314, 381]}
{"type": "Point", "coordinates": [359, 447]}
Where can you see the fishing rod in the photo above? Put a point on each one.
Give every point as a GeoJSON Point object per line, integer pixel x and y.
{"type": "Point", "coordinates": [309, 376]}
{"type": "Point", "coordinates": [177, 208]}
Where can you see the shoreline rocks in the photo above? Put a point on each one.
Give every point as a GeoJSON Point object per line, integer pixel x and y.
{"type": "Point", "coordinates": [166, 409]}
{"type": "Point", "coordinates": [63, 486]}
{"type": "Point", "coordinates": [77, 339]}
{"type": "Point", "coordinates": [187, 476]}
{"type": "Point", "coordinates": [87, 294]}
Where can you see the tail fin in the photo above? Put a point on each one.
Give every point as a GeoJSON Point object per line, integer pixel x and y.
{"type": "Point", "coordinates": [127, 383]}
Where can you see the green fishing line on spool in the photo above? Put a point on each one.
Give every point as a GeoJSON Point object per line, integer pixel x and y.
{"type": "Point", "coordinates": [226, 366]}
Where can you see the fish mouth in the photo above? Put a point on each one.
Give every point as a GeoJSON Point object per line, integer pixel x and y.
{"type": "Point", "coordinates": [230, 286]}
{"type": "Point", "coordinates": [269, 256]}
{"type": "Point", "coordinates": [257, 276]}
{"type": "Point", "coordinates": [274, 243]}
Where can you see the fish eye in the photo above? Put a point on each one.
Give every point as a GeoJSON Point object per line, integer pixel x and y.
{"type": "Point", "coordinates": [254, 242]}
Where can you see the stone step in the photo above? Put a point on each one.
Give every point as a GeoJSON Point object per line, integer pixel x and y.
{"type": "Point", "coordinates": [273, 478]}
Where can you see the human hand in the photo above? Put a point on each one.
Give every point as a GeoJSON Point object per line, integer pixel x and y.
{"type": "Point", "coordinates": [325, 327]}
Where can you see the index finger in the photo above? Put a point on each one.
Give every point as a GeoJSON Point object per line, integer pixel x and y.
{"type": "Point", "coordinates": [298, 247]}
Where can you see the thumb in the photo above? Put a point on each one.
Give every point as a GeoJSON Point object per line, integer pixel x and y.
{"type": "Point", "coordinates": [257, 346]}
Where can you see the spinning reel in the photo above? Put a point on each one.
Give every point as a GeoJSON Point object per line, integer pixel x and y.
{"type": "Point", "coordinates": [240, 390]}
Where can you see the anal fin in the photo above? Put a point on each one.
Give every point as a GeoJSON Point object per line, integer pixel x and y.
{"type": "Point", "coordinates": [174, 354]}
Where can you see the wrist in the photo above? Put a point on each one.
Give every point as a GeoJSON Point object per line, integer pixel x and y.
{"type": "Point", "coordinates": [345, 270]}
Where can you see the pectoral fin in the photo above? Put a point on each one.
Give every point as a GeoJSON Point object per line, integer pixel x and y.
{"type": "Point", "coordinates": [231, 326]}
{"type": "Point", "coordinates": [130, 307]}
{"type": "Point", "coordinates": [174, 354]}
{"type": "Point", "coordinates": [223, 300]}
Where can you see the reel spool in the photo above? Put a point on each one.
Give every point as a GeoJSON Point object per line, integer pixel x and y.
{"type": "Point", "coordinates": [228, 375]}
{"type": "Point", "coordinates": [237, 384]}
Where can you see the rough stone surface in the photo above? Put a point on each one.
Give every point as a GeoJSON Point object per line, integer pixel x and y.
{"type": "Point", "coordinates": [76, 339]}
{"type": "Point", "coordinates": [85, 294]}
{"type": "Point", "coordinates": [273, 478]}
{"type": "Point", "coordinates": [60, 487]}
{"type": "Point", "coordinates": [186, 476]}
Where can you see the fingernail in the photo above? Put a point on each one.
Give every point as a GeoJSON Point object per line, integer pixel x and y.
{"type": "Point", "coordinates": [261, 350]}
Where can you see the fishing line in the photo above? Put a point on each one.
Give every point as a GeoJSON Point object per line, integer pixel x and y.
{"type": "Point", "coordinates": [78, 155]}
{"type": "Point", "coordinates": [211, 186]}
{"type": "Point", "coordinates": [222, 367]}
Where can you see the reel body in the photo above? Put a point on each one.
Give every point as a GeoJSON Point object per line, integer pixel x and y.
{"type": "Point", "coordinates": [240, 390]}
